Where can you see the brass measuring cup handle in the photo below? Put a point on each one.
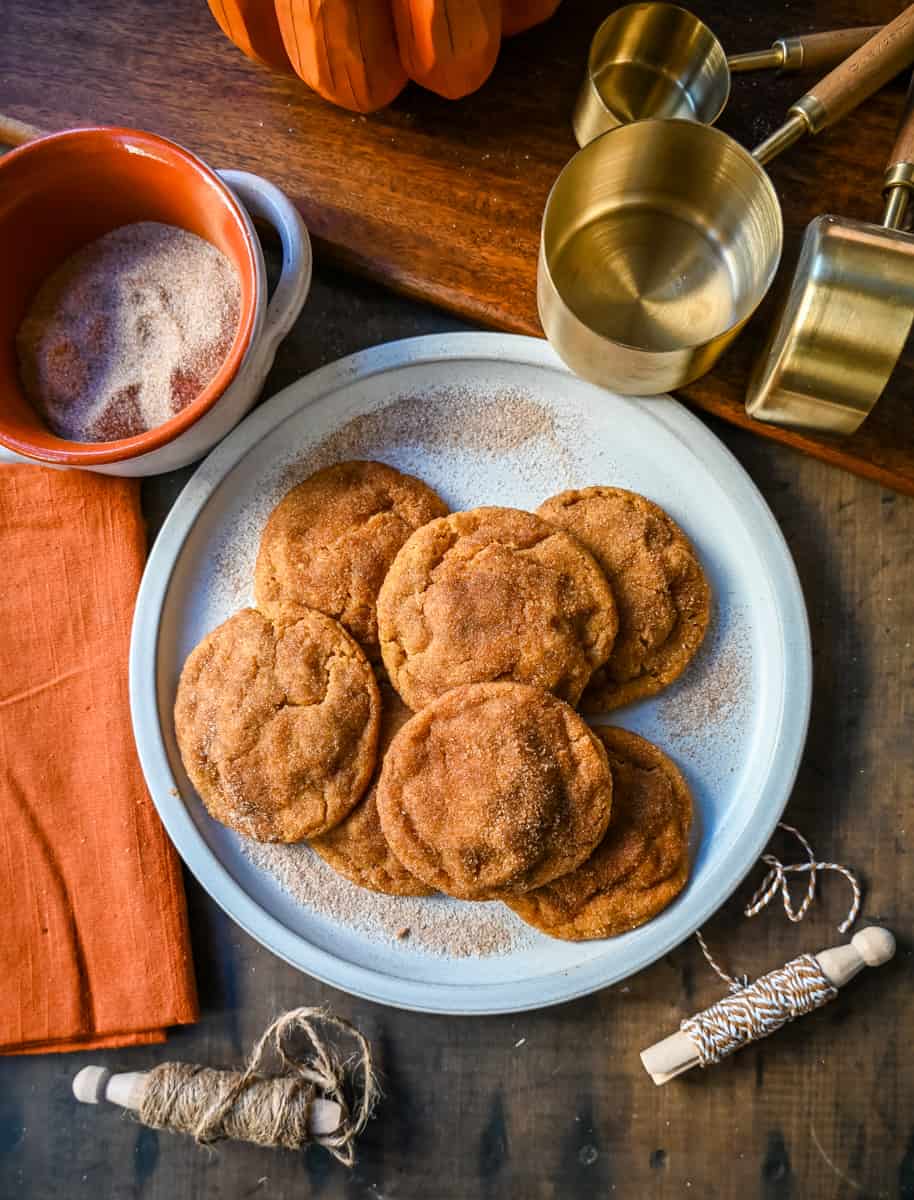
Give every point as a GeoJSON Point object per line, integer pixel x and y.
{"type": "Point", "coordinates": [899, 174]}
{"type": "Point", "coordinates": [850, 83]}
{"type": "Point", "coordinates": [806, 51]}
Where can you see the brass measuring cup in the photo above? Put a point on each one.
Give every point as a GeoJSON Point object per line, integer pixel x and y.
{"type": "Point", "coordinates": [660, 60]}
{"type": "Point", "coordinates": [660, 238]}
{"type": "Point", "coordinates": [847, 315]}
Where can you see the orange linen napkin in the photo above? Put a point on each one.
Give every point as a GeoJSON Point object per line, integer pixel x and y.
{"type": "Point", "coordinates": [94, 949]}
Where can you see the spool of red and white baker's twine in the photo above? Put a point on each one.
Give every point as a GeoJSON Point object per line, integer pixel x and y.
{"type": "Point", "coordinates": [755, 1010]}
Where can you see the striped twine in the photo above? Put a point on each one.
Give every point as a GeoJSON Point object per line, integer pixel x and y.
{"type": "Point", "coordinates": [759, 1009]}
{"type": "Point", "coordinates": [755, 1010]}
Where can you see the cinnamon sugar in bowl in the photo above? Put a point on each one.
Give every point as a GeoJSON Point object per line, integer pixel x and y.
{"type": "Point", "coordinates": [61, 193]}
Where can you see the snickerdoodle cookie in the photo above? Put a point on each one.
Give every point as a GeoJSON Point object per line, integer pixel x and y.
{"type": "Point", "coordinates": [493, 594]}
{"type": "Point", "coordinates": [330, 541]}
{"type": "Point", "coordinates": [493, 789]}
{"type": "Point", "coordinates": [662, 594]}
{"type": "Point", "coordinates": [641, 865]}
{"type": "Point", "coordinates": [357, 847]}
{"type": "Point", "coordinates": [277, 722]}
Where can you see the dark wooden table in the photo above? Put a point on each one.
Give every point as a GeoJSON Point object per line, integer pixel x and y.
{"type": "Point", "coordinates": [554, 1105]}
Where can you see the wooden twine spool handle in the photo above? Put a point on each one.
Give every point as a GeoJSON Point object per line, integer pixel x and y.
{"type": "Point", "coordinates": [16, 133]}
{"type": "Point", "coordinates": [869, 948]}
{"type": "Point", "coordinates": [94, 1084]}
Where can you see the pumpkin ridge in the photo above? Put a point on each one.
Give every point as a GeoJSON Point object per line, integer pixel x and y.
{"type": "Point", "coordinates": [362, 57]}
{"type": "Point", "coordinates": [352, 88]}
{"type": "Point", "coordinates": [227, 20]}
{"type": "Point", "coordinates": [413, 51]}
{"type": "Point", "coordinates": [291, 12]}
{"type": "Point", "coordinates": [325, 43]}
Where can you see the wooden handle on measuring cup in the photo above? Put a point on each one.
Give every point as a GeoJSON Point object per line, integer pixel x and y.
{"type": "Point", "coordinates": [858, 77]}
{"type": "Point", "coordinates": [903, 150]}
{"type": "Point", "coordinates": [898, 182]}
{"type": "Point", "coordinates": [15, 133]}
{"type": "Point", "coordinates": [809, 51]}
{"type": "Point", "coordinates": [815, 51]}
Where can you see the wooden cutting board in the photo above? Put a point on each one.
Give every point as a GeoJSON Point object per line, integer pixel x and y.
{"type": "Point", "coordinates": [442, 200]}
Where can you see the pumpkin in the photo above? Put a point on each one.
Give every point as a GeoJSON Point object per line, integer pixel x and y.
{"type": "Point", "coordinates": [346, 50]}
{"type": "Point", "coordinates": [253, 27]}
{"type": "Point", "coordinates": [448, 46]}
{"type": "Point", "coordinates": [360, 53]}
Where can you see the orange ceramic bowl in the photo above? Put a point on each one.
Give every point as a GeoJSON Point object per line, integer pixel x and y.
{"type": "Point", "coordinates": [64, 190]}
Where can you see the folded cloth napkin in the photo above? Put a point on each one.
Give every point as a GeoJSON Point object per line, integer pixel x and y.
{"type": "Point", "coordinates": [94, 949]}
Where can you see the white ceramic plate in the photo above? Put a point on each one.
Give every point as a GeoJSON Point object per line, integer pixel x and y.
{"type": "Point", "coordinates": [736, 721]}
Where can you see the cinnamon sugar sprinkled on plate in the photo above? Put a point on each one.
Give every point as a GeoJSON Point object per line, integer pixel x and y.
{"type": "Point", "coordinates": [710, 696]}
{"type": "Point", "coordinates": [435, 925]}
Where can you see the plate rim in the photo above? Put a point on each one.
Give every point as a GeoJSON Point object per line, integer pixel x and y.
{"type": "Point", "coordinates": [367, 982]}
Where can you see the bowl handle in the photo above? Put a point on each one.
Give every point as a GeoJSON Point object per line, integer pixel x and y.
{"type": "Point", "coordinates": [264, 200]}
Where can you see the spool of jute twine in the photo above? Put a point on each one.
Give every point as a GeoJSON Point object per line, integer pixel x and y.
{"type": "Point", "coordinates": [274, 1110]}
{"type": "Point", "coordinates": [297, 1089]}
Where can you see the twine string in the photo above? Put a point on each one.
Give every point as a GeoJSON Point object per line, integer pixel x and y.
{"type": "Point", "coordinates": [271, 1109]}
{"type": "Point", "coordinates": [777, 880]}
{"type": "Point", "coordinates": [755, 1010]}
{"type": "Point", "coordinates": [735, 983]}
{"type": "Point", "coordinates": [759, 1009]}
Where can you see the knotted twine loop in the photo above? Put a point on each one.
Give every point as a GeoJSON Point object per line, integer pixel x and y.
{"type": "Point", "coordinates": [270, 1110]}
{"type": "Point", "coordinates": [753, 1011]}
{"type": "Point", "coordinates": [777, 880]}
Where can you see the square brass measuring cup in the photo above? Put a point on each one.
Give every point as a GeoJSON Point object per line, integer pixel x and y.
{"type": "Point", "coordinates": [847, 315]}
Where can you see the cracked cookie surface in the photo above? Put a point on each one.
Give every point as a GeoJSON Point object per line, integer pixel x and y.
{"type": "Point", "coordinates": [357, 848]}
{"type": "Point", "coordinates": [493, 789]}
{"type": "Point", "coordinates": [661, 591]}
{"type": "Point", "coordinates": [642, 863]}
{"type": "Point", "coordinates": [277, 720]}
{"type": "Point", "coordinates": [493, 594]}
{"type": "Point", "coordinates": [329, 542]}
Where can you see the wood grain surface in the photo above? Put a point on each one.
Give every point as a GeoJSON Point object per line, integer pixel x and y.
{"type": "Point", "coordinates": [443, 200]}
{"type": "Point", "coordinates": [555, 1105]}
